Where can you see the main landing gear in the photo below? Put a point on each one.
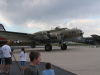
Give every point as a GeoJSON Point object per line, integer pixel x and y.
{"type": "Point", "coordinates": [48, 47]}
{"type": "Point", "coordinates": [63, 46]}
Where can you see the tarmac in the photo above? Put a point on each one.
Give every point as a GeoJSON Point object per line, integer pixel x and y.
{"type": "Point", "coordinates": [76, 60]}
{"type": "Point", "coordinates": [15, 69]}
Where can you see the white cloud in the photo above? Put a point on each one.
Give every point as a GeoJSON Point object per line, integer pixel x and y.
{"type": "Point", "coordinates": [4, 21]}
{"type": "Point", "coordinates": [36, 25]}
{"type": "Point", "coordinates": [47, 14]}
{"type": "Point", "coordinates": [89, 26]}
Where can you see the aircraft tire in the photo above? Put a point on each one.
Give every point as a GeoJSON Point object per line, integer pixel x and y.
{"type": "Point", "coordinates": [48, 47]}
{"type": "Point", "coordinates": [33, 44]}
{"type": "Point", "coordinates": [63, 46]}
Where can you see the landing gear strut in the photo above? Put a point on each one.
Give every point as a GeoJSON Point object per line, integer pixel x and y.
{"type": "Point", "coordinates": [48, 47]}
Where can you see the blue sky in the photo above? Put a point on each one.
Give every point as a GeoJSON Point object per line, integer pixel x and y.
{"type": "Point", "coordinates": [30, 16]}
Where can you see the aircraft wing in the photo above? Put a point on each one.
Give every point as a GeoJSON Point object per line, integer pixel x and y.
{"type": "Point", "coordinates": [7, 35]}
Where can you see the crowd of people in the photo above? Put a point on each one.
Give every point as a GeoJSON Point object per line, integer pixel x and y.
{"type": "Point", "coordinates": [29, 69]}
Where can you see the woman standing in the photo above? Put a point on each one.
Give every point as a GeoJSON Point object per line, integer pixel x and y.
{"type": "Point", "coordinates": [23, 59]}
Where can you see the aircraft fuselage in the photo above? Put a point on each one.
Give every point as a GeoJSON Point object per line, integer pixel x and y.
{"type": "Point", "coordinates": [57, 35]}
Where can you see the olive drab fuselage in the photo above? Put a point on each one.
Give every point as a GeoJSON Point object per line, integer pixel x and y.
{"type": "Point", "coordinates": [57, 35]}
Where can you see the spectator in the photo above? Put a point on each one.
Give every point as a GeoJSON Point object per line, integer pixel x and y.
{"type": "Point", "coordinates": [49, 70]}
{"type": "Point", "coordinates": [23, 59]}
{"type": "Point", "coordinates": [32, 68]}
{"type": "Point", "coordinates": [7, 56]}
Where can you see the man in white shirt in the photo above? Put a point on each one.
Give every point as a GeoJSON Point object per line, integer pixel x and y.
{"type": "Point", "coordinates": [7, 56]}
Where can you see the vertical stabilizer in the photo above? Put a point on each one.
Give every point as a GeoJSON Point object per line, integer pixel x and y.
{"type": "Point", "coordinates": [2, 28]}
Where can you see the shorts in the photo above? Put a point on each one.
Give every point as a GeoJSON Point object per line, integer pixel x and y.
{"type": "Point", "coordinates": [1, 61]}
{"type": "Point", "coordinates": [23, 63]}
{"type": "Point", "coordinates": [8, 61]}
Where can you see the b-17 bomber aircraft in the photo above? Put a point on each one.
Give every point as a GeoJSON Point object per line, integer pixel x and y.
{"type": "Point", "coordinates": [57, 35]}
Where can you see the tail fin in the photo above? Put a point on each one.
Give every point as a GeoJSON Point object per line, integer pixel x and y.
{"type": "Point", "coordinates": [2, 28]}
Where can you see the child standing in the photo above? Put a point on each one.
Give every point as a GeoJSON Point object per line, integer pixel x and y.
{"type": "Point", "coordinates": [23, 59]}
{"type": "Point", "coordinates": [32, 68]}
{"type": "Point", "coordinates": [49, 70]}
